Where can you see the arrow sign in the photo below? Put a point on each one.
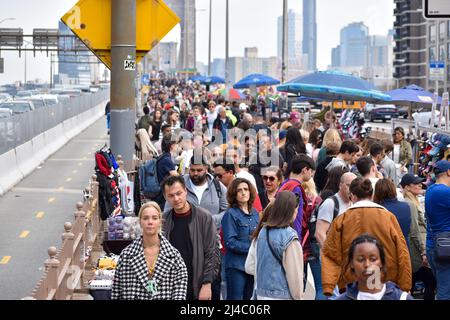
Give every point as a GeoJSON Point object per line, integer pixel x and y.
{"type": "Point", "coordinates": [90, 21]}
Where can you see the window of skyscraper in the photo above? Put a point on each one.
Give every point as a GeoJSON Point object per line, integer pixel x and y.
{"type": "Point", "coordinates": [442, 30]}
{"type": "Point", "coordinates": [433, 33]}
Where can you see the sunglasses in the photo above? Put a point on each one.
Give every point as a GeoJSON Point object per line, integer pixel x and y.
{"type": "Point", "coordinates": [269, 178]}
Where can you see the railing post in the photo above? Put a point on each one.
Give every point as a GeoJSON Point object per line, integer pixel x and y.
{"type": "Point", "coordinates": [51, 266]}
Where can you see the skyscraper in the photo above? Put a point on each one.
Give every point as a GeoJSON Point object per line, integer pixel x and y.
{"type": "Point", "coordinates": [297, 63]}
{"type": "Point", "coordinates": [310, 33]}
{"type": "Point", "coordinates": [354, 44]}
{"type": "Point", "coordinates": [411, 60]}
{"type": "Point", "coordinates": [294, 38]}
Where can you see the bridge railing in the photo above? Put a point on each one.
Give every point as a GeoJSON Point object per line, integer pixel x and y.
{"type": "Point", "coordinates": [67, 271]}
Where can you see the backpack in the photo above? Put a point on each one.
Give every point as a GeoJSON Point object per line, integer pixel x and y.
{"type": "Point", "coordinates": [150, 185]}
{"type": "Point", "coordinates": [315, 248]}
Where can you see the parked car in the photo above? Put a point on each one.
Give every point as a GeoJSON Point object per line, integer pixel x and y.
{"type": "Point", "coordinates": [4, 97]}
{"type": "Point", "coordinates": [5, 113]}
{"type": "Point", "coordinates": [383, 112]}
{"type": "Point", "coordinates": [37, 102]}
{"type": "Point", "coordinates": [18, 107]}
{"type": "Point", "coordinates": [50, 99]}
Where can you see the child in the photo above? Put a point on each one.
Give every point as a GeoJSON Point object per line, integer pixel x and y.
{"type": "Point", "coordinates": [366, 260]}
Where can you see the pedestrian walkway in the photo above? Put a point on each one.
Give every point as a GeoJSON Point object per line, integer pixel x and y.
{"type": "Point", "coordinates": [33, 213]}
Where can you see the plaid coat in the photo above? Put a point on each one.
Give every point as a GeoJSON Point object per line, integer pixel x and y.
{"type": "Point", "coordinates": [131, 276]}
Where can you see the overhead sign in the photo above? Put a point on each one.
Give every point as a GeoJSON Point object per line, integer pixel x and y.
{"type": "Point", "coordinates": [154, 19]}
{"type": "Point", "coordinates": [437, 9]}
{"type": "Point", "coordinates": [437, 70]}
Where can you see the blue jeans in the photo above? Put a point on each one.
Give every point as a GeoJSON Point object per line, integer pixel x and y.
{"type": "Point", "coordinates": [239, 284]}
{"type": "Point", "coordinates": [316, 270]}
{"type": "Point", "coordinates": [108, 121]}
{"type": "Point", "coordinates": [441, 271]}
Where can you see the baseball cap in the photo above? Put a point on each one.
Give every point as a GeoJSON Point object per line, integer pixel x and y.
{"type": "Point", "coordinates": [410, 178]}
{"type": "Point", "coordinates": [441, 166]}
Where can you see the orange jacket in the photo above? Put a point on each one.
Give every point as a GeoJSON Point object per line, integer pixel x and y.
{"type": "Point", "coordinates": [364, 217]}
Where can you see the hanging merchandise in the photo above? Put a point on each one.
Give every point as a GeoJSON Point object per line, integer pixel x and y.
{"type": "Point", "coordinates": [126, 192]}
{"type": "Point", "coordinates": [109, 193]}
{"type": "Point", "coordinates": [432, 148]}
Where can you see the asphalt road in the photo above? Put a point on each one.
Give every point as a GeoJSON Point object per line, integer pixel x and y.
{"type": "Point", "coordinates": [33, 213]}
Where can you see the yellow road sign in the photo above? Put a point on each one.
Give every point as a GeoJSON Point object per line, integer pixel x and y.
{"type": "Point", "coordinates": [90, 21]}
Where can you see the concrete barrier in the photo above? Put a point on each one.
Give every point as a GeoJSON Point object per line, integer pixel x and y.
{"type": "Point", "coordinates": [10, 174]}
{"type": "Point", "coordinates": [20, 162]}
{"type": "Point", "coordinates": [26, 162]}
{"type": "Point", "coordinates": [39, 148]}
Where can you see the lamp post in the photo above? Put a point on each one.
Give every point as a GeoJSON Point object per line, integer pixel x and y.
{"type": "Point", "coordinates": [6, 19]}
{"type": "Point", "coordinates": [226, 45]}
{"type": "Point", "coordinates": [284, 46]}
{"type": "Point", "coordinates": [209, 45]}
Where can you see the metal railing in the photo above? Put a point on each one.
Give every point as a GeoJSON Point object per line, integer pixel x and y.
{"type": "Point", "coordinates": [21, 128]}
{"type": "Point", "coordinates": [67, 270]}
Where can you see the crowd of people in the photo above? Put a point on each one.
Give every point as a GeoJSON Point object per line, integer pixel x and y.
{"type": "Point", "coordinates": [249, 203]}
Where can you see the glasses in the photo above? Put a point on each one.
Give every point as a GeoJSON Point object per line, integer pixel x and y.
{"type": "Point", "coordinates": [269, 178]}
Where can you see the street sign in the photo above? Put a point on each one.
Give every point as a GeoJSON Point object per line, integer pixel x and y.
{"type": "Point", "coordinates": [90, 21]}
{"type": "Point", "coordinates": [437, 9]}
{"type": "Point", "coordinates": [437, 70]}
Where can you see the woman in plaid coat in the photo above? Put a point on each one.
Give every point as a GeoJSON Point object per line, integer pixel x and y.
{"type": "Point", "coordinates": [150, 268]}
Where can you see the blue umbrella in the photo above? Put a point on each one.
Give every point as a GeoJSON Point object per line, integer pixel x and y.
{"type": "Point", "coordinates": [412, 94]}
{"type": "Point", "coordinates": [212, 80]}
{"type": "Point", "coordinates": [334, 86]}
{"type": "Point", "coordinates": [197, 78]}
{"type": "Point", "coordinates": [255, 80]}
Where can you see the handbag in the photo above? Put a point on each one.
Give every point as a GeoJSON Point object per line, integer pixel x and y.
{"type": "Point", "coordinates": [442, 245]}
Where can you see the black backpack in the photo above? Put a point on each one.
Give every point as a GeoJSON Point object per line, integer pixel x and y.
{"type": "Point", "coordinates": [315, 247]}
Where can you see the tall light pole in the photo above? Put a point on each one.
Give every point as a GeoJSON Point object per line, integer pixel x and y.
{"type": "Point", "coordinates": [284, 47]}
{"type": "Point", "coordinates": [6, 19]}
{"type": "Point", "coordinates": [209, 46]}
{"type": "Point", "coordinates": [226, 45]}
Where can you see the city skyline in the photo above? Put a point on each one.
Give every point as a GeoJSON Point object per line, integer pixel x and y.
{"type": "Point", "coordinates": [252, 24]}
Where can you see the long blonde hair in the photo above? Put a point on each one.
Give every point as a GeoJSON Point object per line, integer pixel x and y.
{"type": "Point", "coordinates": [409, 196]}
{"type": "Point", "coordinates": [310, 188]}
{"type": "Point", "coordinates": [330, 136]}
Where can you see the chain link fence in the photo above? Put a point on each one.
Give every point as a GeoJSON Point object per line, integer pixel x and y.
{"type": "Point", "coordinates": [20, 128]}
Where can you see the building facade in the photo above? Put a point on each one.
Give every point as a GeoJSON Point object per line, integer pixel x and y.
{"type": "Point", "coordinates": [297, 60]}
{"type": "Point", "coordinates": [310, 33]}
{"type": "Point", "coordinates": [411, 56]}
{"type": "Point", "coordinates": [240, 67]}
{"type": "Point", "coordinates": [163, 57]}
{"type": "Point", "coordinates": [73, 68]}
{"type": "Point", "coordinates": [439, 28]}
{"type": "Point", "coordinates": [367, 56]}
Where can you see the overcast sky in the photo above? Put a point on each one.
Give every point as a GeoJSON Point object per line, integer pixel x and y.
{"type": "Point", "coordinates": [252, 23]}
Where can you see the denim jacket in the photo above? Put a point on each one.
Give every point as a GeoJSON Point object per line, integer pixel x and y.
{"type": "Point", "coordinates": [272, 282]}
{"type": "Point", "coordinates": [393, 292]}
{"type": "Point", "coordinates": [238, 228]}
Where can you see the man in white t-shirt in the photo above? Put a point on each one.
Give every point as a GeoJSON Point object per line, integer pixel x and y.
{"type": "Point", "coordinates": [326, 211]}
